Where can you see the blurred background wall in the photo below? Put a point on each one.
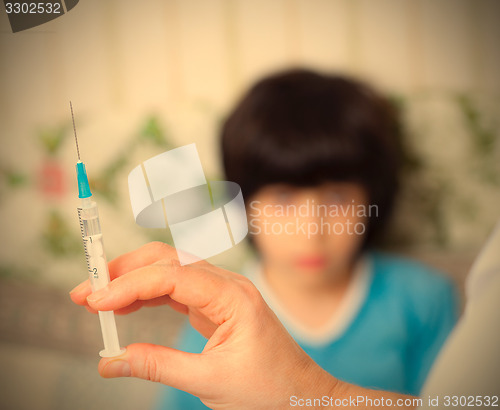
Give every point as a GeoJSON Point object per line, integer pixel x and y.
{"type": "Point", "coordinates": [151, 75]}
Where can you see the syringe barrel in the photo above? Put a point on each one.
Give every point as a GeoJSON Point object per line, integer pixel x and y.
{"type": "Point", "coordinates": [98, 271]}
{"type": "Point", "coordinates": [93, 243]}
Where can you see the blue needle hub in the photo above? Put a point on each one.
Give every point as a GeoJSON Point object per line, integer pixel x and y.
{"type": "Point", "coordinates": [83, 181]}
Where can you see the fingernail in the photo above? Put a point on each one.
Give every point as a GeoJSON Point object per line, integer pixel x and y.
{"type": "Point", "coordinates": [78, 288]}
{"type": "Point", "coordinates": [116, 368]}
{"type": "Point", "coordinates": [98, 295]}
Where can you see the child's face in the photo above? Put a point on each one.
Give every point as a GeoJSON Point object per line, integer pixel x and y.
{"type": "Point", "coordinates": [312, 234]}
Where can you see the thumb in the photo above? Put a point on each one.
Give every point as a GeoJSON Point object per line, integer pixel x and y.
{"type": "Point", "coordinates": [181, 370]}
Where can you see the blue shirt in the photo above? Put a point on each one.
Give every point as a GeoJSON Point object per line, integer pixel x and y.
{"type": "Point", "coordinates": [390, 343]}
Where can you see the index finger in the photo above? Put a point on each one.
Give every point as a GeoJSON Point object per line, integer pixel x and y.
{"type": "Point", "coordinates": [191, 286]}
{"type": "Point", "coordinates": [145, 255]}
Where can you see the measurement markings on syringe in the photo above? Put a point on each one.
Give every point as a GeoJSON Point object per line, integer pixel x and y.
{"type": "Point", "coordinates": [91, 270]}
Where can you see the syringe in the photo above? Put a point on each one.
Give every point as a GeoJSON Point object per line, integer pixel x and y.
{"type": "Point", "coordinates": [90, 228]}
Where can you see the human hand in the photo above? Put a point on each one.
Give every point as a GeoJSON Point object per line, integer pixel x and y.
{"type": "Point", "coordinates": [249, 361]}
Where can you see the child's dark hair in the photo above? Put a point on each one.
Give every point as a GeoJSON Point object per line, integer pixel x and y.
{"type": "Point", "coordinates": [303, 128]}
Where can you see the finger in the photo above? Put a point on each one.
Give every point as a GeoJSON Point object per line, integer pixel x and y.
{"type": "Point", "coordinates": [144, 256]}
{"type": "Point", "coordinates": [186, 285]}
{"type": "Point", "coordinates": [89, 309]}
{"type": "Point", "coordinates": [167, 300]}
{"type": "Point", "coordinates": [79, 294]}
{"type": "Point", "coordinates": [186, 371]}
{"type": "Point", "coordinates": [130, 308]}
{"type": "Point", "coordinates": [162, 300]}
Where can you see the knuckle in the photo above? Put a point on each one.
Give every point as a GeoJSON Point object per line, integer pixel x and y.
{"type": "Point", "coordinates": [174, 265]}
{"type": "Point", "coordinates": [152, 368]}
{"type": "Point", "coordinates": [250, 292]}
{"type": "Point", "coordinates": [157, 246]}
{"type": "Point", "coordinates": [162, 248]}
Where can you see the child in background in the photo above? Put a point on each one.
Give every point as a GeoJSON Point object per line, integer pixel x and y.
{"type": "Point", "coordinates": [315, 156]}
